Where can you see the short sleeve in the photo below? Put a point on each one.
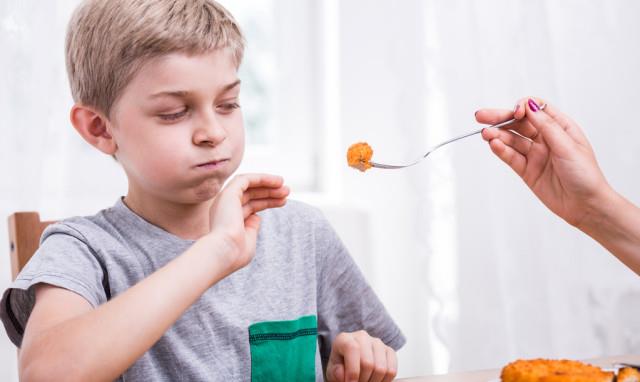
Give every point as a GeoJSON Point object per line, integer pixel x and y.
{"type": "Point", "coordinates": [346, 302]}
{"type": "Point", "coordinates": [65, 260]}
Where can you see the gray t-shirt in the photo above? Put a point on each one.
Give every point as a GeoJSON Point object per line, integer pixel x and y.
{"type": "Point", "coordinates": [301, 270]}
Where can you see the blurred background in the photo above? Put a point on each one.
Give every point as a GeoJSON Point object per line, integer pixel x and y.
{"type": "Point", "coordinates": [473, 268]}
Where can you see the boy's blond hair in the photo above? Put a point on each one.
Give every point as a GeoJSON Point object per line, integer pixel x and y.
{"type": "Point", "coordinates": [108, 41]}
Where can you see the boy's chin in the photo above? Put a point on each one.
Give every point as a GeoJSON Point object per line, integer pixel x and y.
{"type": "Point", "coordinates": [207, 190]}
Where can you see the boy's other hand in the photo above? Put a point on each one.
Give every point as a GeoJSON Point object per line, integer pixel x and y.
{"type": "Point", "coordinates": [359, 357]}
{"type": "Point", "coordinates": [233, 214]}
{"type": "Point", "coordinates": [552, 156]}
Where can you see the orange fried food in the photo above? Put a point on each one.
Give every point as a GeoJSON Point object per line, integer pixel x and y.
{"type": "Point", "coordinates": [359, 156]}
{"type": "Point", "coordinates": [628, 374]}
{"type": "Point", "coordinates": [545, 370]}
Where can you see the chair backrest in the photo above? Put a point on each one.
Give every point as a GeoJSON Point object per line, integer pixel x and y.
{"type": "Point", "coordinates": [25, 229]}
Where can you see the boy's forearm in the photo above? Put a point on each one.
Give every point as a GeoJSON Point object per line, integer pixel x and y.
{"type": "Point", "coordinates": [615, 224]}
{"type": "Point", "coordinates": [104, 342]}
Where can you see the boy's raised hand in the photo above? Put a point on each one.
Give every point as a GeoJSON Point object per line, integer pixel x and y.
{"type": "Point", "coordinates": [359, 357]}
{"type": "Point", "coordinates": [551, 155]}
{"type": "Point", "coordinates": [233, 214]}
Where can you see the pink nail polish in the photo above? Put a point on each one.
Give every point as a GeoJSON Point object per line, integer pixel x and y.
{"type": "Point", "coordinates": [533, 105]}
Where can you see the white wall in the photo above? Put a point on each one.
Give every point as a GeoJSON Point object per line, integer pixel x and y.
{"type": "Point", "coordinates": [476, 271]}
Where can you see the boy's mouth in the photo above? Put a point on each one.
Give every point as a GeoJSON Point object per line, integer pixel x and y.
{"type": "Point", "coordinates": [212, 164]}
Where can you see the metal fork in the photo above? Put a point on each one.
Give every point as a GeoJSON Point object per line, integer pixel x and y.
{"type": "Point", "coordinates": [500, 125]}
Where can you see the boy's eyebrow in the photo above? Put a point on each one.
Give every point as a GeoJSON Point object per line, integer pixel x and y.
{"type": "Point", "coordinates": [231, 85]}
{"type": "Point", "coordinates": [184, 93]}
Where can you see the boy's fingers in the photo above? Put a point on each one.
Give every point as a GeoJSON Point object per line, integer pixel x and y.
{"type": "Point", "coordinates": [245, 181]}
{"type": "Point", "coordinates": [348, 349]}
{"type": "Point", "coordinates": [367, 362]}
{"type": "Point", "coordinates": [257, 205]}
{"type": "Point", "coordinates": [252, 225]}
{"type": "Point", "coordinates": [508, 155]}
{"type": "Point", "coordinates": [264, 193]}
{"type": "Point", "coordinates": [392, 365]}
{"type": "Point", "coordinates": [336, 373]}
{"type": "Point", "coordinates": [380, 361]}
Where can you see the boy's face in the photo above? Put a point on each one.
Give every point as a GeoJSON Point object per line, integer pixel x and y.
{"type": "Point", "coordinates": [178, 127]}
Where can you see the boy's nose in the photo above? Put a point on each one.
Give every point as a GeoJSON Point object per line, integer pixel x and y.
{"type": "Point", "coordinates": [209, 132]}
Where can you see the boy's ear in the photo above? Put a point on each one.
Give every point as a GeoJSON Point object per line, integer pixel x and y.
{"type": "Point", "coordinates": [93, 127]}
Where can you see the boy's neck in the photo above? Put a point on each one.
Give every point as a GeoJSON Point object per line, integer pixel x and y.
{"type": "Point", "coordinates": [187, 221]}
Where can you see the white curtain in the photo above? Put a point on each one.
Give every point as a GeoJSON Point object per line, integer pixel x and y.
{"type": "Point", "coordinates": [473, 268]}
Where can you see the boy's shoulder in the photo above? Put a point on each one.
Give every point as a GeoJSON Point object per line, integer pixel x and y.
{"type": "Point", "coordinates": [117, 221]}
{"type": "Point", "coordinates": [76, 226]}
{"type": "Point", "coordinates": [102, 225]}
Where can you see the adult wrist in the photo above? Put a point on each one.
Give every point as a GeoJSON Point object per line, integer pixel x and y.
{"type": "Point", "coordinates": [601, 212]}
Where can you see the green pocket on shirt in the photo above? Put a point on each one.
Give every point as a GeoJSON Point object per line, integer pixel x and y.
{"type": "Point", "coordinates": [284, 350]}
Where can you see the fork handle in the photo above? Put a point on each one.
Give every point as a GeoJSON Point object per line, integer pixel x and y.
{"type": "Point", "coordinates": [496, 126]}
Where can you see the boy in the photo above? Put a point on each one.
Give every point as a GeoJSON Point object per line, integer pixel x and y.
{"type": "Point", "coordinates": [181, 279]}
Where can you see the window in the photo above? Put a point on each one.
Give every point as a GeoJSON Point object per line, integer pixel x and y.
{"type": "Point", "coordinates": [285, 82]}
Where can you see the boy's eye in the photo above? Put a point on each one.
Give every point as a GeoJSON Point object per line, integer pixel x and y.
{"type": "Point", "coordinates": [228, 107]}
{"type": "Point", "coordinates": [173, 116]}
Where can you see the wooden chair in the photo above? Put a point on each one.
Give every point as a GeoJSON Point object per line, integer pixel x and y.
{"type": "Point", "coordinates": [25, 229]}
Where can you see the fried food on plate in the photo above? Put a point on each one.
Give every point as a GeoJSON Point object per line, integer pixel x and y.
{"type": "Point", "coordinates": [546, 370]}
{"type": "Point", "coordinates": [628, 374]}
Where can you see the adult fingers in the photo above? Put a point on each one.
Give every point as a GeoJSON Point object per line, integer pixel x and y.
{"type": "Point", "coordinates": [493, 116]}
{"type": "Point", "coordinates": [521, 106]}
{"type": "Point", "coordinates": [510, 156]}
{"type": "Point", "coordinates": [568, 124]}
{"type": "Point", "coordinates": [509, 138]}
{"type": "Point", "coordinates": [553, 134]}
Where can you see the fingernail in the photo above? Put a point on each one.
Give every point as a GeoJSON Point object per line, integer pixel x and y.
{"type": "Point", "coordinates": [476, 113]}
{"type": "Point", "coordinates": [533, 105]}
{"type": "Point", "coordinates": [515, 110]}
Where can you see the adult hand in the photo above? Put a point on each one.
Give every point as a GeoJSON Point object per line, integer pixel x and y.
{"type": "Point", "coordinates": [553, 157]}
